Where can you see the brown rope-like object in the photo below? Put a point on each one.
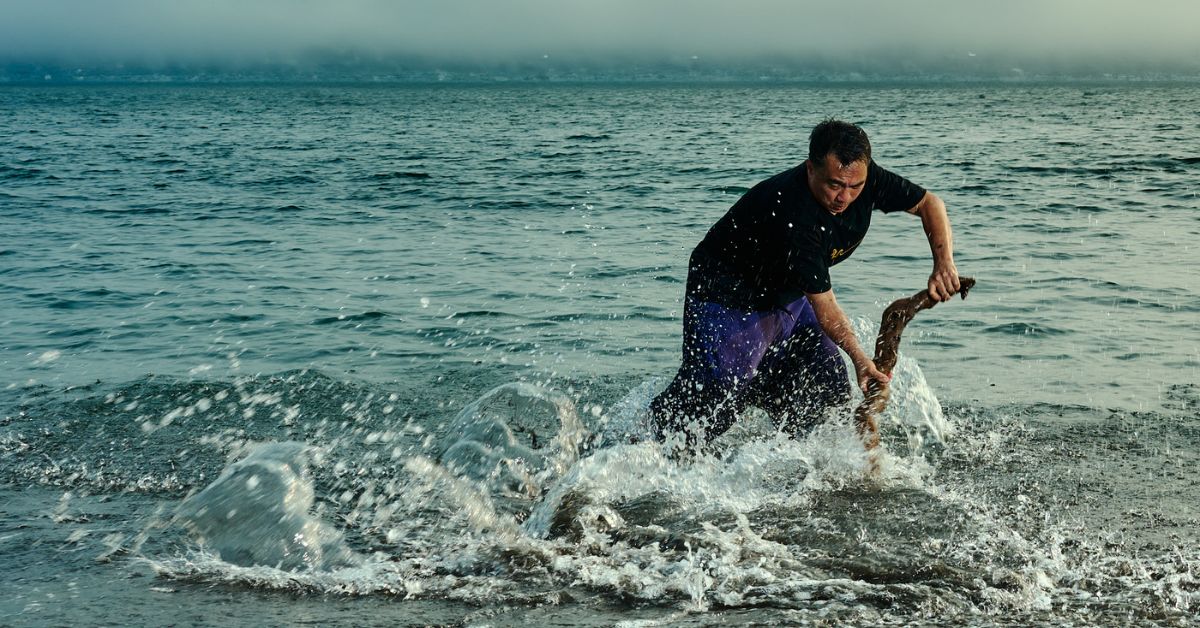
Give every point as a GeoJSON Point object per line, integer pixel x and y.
{"type": "Point", "coordinates": [887, 346]}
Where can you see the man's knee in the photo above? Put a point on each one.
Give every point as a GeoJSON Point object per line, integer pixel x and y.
{"type": "Point", "coordinates": [799, 408]}
{"type": "Point", "coordinates": [696, 412]}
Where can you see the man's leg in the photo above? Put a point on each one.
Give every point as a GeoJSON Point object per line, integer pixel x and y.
{"type": "Point", "coordinates": [803, 376]}
{"type": "Point", "coordinates": [722, 348]}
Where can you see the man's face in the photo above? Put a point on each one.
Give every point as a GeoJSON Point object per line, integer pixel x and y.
{"type": "Point", "coordinates": [835, 185]}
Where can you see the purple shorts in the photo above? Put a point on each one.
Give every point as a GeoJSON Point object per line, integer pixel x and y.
{"type": "Point", "coordinates": [777, 359]}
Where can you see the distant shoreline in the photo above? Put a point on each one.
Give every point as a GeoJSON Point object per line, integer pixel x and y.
{"type": "Point", "coordinates": [634, 69]}
{"type": "Point", "coordinates": [51, 79]}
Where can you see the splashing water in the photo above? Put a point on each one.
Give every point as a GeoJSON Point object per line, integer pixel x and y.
{"type": "Point", "coordinates": [258, 513]}
{"type": "Point", "coordinates": [505, 506]}
{"type": "Point", "coordinates": [515, 501]}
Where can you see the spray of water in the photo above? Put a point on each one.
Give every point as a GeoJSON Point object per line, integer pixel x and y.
{"type": "Point", "coordinates": [518, 501]}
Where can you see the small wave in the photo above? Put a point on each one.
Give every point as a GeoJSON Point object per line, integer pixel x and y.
{"type": "Point", "coordinates": [1059, 255]}
{"type": "Point", "coordinates": [383, 176]}
{"type": "Point", "coordinates": [636, 189]}
{"type": "Point", "coordinates": [71, 304]}
{"type": "Point", "coordinates": [174, 269]}
{"type": "Point", "coordinates": [573, 173]}
{"type": "Point", "coordinates": [480, 314]}
{"type": "Point", "coordinates": [76, 332]}
{"type": "Point", "coordinates": [1123, 301]}
{"type": "Point", "coordinates": [1099, 171]}
{"type": "Point", "coordinates": [1191, 161]}
{"type": "Point", "coordinates": [98, 292]}
{"type": "Point", "coordinates": [9, 172]}
{"type": "Point", "coordinates": [295, 179]}
{"type": "Point", "coordinates": [350, 318]}
{"type": "Point", "coordinates": [901, 258]}
{"type": "Point", "coordinates": [573, 318]}
{"type": "Point", "coordinates": [241, 318]}
{"type": "Point", "coordinates": [589, 138]}
{"type": "Point", "coordinates": [512, 204]}
{"type": "Point", "coordinates": [133, 211]}
{"type": "Point", "coordinates": [1026, 329]}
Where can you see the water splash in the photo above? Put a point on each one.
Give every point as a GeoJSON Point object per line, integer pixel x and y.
{"type": "Point", "coordinates": [516, 435]}
{"type": "Point", "coordinates": [763, 521]}
{"type": "Point", "coordinates": [913, 406]}
{"type": "Point", "coordinates": [258, 513]}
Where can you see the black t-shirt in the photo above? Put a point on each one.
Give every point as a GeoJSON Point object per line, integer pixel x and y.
{"type": "Point", "coordinates": [776, 243]}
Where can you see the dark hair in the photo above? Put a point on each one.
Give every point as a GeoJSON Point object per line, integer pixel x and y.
{"type": "Point", "coordinates": [847, 141]}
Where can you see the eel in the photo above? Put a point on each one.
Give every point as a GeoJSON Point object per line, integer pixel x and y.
{"type": "Point", "coordinates": [887, 346]}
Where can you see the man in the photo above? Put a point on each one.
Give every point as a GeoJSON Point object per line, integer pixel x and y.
{"type": "Point", "coordinates": [761, 325]}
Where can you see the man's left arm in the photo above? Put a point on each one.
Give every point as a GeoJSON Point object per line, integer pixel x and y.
{"type": "Point", "coordinates": [943, 281]}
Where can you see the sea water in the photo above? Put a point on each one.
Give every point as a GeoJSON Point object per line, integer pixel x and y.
{"type": "Point", "coordinates": [357, 355]}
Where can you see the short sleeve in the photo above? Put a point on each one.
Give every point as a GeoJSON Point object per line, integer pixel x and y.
{"type": "Point", "coordinates": [893, 193]}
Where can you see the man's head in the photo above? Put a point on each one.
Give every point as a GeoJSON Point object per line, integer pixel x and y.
{"type": "Point", "coordinates": [838, 153]}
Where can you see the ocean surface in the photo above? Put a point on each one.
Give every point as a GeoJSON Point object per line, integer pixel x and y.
{"type": "Point", "coordinates": [374, 355]}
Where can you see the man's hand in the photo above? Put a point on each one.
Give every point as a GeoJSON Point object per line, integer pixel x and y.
{"type": "Point", "coordinates": [865, 371]}
{"type": "Point", "coordinates": [943, 282]}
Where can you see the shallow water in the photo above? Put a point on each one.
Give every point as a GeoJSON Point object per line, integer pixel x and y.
{"type": "Point", "coordinates": [187, 271]}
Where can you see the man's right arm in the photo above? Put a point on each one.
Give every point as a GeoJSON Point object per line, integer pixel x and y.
{"type": "Point", "coordinates": [836, 325]}
{"type": "Point", "coordinates": [943, 282]}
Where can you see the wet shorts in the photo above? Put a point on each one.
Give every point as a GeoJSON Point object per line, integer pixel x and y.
{"type": "Point", "coordinates": [778, 359]}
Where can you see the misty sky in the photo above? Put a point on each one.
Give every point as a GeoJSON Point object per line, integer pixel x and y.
{"type": "Point", "coordinates": [218, 29]}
